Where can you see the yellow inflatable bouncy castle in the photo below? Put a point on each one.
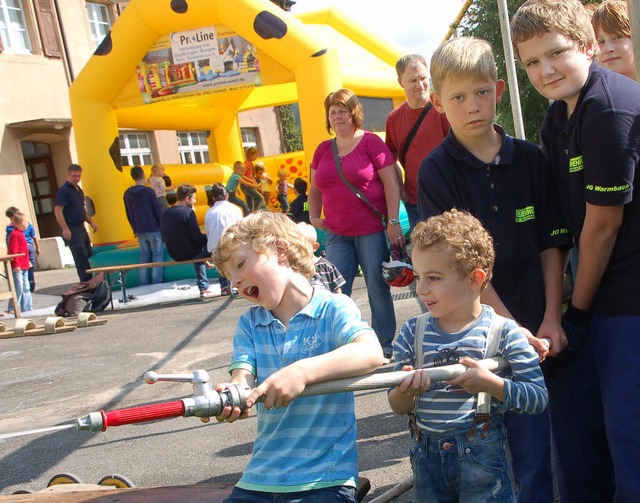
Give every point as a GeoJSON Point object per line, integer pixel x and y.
{"type": "Point", "coordinates": [193, 65]}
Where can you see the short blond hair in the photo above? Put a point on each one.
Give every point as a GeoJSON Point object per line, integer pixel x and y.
{"type": "Point", "coordinates": [263, 230]}
{"type": "Point", "coordinates": [612, 16]}
{"type": "Point", "coordinates": [308, 231]}
{"type": "Point", "coordinates": [534, 18]}
{"type": "Point", "coordinates": [18, 217]}
{"type": "Point", "coordinates": [462, 57]}
{"type": "Point", "coordinates": [462, 235]}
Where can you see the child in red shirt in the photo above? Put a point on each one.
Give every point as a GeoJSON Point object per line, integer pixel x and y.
{"type": "Point", "coordinates": [20, 265]}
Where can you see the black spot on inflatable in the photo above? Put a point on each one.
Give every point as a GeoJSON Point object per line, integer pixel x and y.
{"type": "Point", "coordinates": [114, 153]}
{"type": "Point", "coordinates": [179, 6]}
{"type": "Point", "coordinates": [105, 46]}
{"type": "Point", "coordinates": [269, 26]}
{"type": "Point", "coordinates": [319, 53]}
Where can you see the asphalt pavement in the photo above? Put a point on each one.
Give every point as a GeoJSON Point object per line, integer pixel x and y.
{"type": "Point", "coordinates": [51, 380]}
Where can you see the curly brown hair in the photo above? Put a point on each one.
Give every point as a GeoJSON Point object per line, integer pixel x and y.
{"type": "Point", "coordinates": [461, 234]}
{"type": "Point", "coordinates": [263, 230]}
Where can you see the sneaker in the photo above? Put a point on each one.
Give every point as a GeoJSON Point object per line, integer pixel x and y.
{"type": "Point", "coordinates": [388, 358]}
{"type": "Point", "coordinates": [225, 292]}
{"type": "Point", "coordinates": [206, 294]}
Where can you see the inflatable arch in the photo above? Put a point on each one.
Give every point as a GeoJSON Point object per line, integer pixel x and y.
{"type": "Point", "coordinates": [284, 59]}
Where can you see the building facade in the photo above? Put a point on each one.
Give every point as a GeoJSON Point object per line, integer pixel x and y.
{"type": "Point", "coordinates": [44, 45]}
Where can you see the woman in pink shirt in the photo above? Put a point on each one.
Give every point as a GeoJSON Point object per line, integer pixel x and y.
{"type": "Point", "coordinates": [356, 236]}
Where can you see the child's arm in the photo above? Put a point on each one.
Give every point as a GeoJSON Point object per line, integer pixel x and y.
{"type": "Point", "coordinates": [490, 297]}
{"type": "Point", "coordinates": [525, 392]}
{"type": "Point", "coordinates": [36, 244]}
{"type": "Point", "coordinates": [358, 357]}
{"type": "Point", "coordinates": [402, 398]}
{"type": "Point", "coordinates": [553, 264]}
{"type": "Point", "coordinates": [248, 181]}
{"type": "Point", "coordinates": [597, 239]}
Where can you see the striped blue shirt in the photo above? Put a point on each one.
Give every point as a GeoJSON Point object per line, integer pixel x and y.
{"type": "Point", "coordinates": [442, 412]}
{"type": "Point", "coordinates": [311, 443]}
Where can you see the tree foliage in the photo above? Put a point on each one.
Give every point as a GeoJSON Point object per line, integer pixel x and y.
{"type": "Point", "coordinates": [291, 132]}
{"type": "Point", "coordinates": [482, 21]}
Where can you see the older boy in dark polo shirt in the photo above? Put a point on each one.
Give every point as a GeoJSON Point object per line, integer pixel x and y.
{"type": "Point", "coordinates": [591, 133]}
{"type": "Point", "coordinates": [505, 183]}
{"type": "Point", "coordinates": [71, 215]}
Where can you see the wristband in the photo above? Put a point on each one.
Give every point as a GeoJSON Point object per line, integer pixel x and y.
{"type": "Point", "coordinates": [577, 317]}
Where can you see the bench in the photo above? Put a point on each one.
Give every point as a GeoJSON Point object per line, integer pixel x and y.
{"type": "Point", "coordinates": [122, 270]}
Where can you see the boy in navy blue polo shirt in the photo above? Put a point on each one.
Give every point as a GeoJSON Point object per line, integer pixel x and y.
{"type": "Point", "coordinates": [504, 182]}
{"type": "Point", "coordinates": [591, 136]}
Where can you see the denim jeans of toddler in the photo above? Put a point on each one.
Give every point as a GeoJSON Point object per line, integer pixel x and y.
{"type": "Point", "coordinates": [454, 469]}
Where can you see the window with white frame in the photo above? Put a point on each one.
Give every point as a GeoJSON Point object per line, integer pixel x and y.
{"type": "Point", "coordinates": [99, 21]}
{"type": "Point", "coordinates": [135, 149]}
{"type": "Point", "coordinates": [249, 137]}
{"type": "Point", "coordinates": [193, 147]}
{"type": "Point", "coordinates": [13, 28]}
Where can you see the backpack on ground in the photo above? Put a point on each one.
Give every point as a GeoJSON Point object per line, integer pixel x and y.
{"type": "Point", "coordinates": [100, 298]}
{"type": "Point", "coordinates": [75, 300]}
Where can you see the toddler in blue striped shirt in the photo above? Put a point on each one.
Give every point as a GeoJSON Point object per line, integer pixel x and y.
{"type": "Point", "coordinates": [460, 450]}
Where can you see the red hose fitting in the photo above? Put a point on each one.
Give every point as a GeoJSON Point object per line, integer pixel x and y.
{"type": "Point", "coordinates": [142, 414]}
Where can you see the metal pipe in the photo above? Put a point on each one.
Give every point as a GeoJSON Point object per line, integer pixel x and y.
{"type": "Point", "coordinates": [207, 402]}
{"type": "Point", "coordinates": [510, 62]}
{"type": "Point", "coordinates": [454, 26]}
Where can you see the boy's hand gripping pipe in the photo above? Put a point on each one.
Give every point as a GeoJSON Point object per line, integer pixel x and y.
{"type": "Point", "coordinates": [206, 402]}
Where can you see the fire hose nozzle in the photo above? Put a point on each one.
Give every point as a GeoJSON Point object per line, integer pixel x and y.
{"type": "Point", "coordinates": [91, 422]}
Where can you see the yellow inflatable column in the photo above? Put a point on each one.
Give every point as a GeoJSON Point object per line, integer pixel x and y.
{"type": "Point", "coordinates": [316, 77]}
{"type": "Point", "coordinates": [227, 137]}
{"type": "Point", "coordinates": [96, 132]}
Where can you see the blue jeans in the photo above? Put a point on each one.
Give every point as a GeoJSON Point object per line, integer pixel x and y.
{"type": "Point", "coordinates": [23, 293]}
{"type": "Point", "coordinates": [328, 494]}
{"type": "Point", "coordinates": [224, 282]}
{"type": "Point", "coordinates": [454, 469]}
{"type": "Point", "coordinates": [32, 259]}
{"type": "Point", "coordinates": [239, 202]}
{"type": "Point", "coordinates": [368, 251]}
{"type": "Point", "coordinates": [284, 203]}
{"type": "Point", "coordinates": [201, 270]}
{"type": "Point", "coordinates": [255, 201]}
{"type": "Point", "coordinates": [151, 250]}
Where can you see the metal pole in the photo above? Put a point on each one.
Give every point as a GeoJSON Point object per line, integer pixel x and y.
{"type": "Point", "coordinates": [454, 26]}
{"type": "Point", "coordinates": [634, 18]}
{"type": "Point", "coordinates": [510, 62]}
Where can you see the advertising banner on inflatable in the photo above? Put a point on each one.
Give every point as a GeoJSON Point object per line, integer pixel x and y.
{"type": "Point", "coordinates": [194, 62]}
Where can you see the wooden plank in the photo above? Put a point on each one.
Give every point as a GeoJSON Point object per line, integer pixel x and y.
{"type": "Point", "coordinates": [129, 267]}
{"type": "Point", "coordinates": [6, 295]}
{"type": "Point", "coordinates": [201, 493]}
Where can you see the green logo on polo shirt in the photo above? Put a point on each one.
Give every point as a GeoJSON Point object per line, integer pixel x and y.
{"type": "Point", "coordinates": [525, 214]}
{"type": "Point", "coordinates": [575, 164]}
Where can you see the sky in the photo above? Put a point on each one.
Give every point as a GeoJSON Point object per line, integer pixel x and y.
{"type": "Point", "coordinates": [417, 25]}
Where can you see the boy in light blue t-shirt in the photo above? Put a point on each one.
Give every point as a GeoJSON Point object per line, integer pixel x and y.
{"type": "Point", "coordinates": [296, 335]}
